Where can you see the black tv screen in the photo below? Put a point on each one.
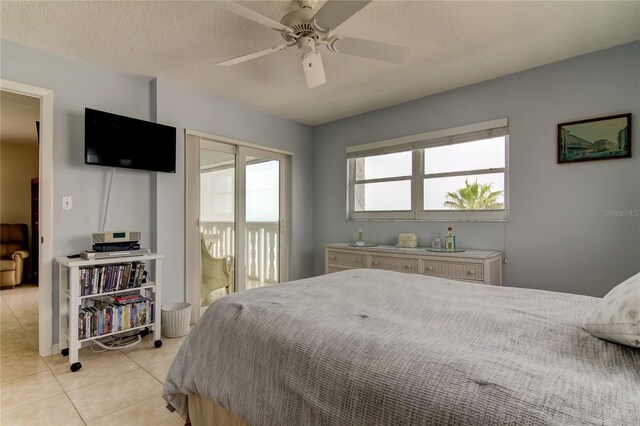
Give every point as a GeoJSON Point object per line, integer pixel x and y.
{"type": "Point", "coordinates": [117, 141]}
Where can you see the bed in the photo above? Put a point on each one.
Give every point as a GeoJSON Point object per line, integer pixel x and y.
{"type": "Point", "coordinates": [370, 347]}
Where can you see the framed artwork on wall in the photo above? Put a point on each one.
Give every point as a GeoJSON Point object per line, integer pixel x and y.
{"type": "Point", "coordinates": [595, 139]}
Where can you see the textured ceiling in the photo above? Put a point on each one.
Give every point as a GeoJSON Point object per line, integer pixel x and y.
{"type": "Point", "coordinates": [453, 43]}
{"type": "Point", "coordinates": [18, 116]}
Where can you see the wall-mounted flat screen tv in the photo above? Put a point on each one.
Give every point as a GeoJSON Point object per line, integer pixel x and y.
{"type": "Point", "coordinates": [117, 141]}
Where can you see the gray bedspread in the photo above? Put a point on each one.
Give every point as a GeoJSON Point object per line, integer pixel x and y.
{"type": "Point", "coordinates": [366, 347]}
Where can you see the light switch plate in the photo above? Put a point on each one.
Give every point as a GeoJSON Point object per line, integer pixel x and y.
{"type": "Point", "coordinates": [67, 202]}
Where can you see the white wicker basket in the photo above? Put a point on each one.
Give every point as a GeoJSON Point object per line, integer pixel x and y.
{"type": "Point", "coordinates": [175, 319]}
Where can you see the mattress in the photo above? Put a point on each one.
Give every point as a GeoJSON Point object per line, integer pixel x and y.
{"type": "Point", "coordinates": [370, 347]}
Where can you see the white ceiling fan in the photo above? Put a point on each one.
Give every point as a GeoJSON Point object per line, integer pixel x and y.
{"type": "Point", "coordinates": [309, 29]}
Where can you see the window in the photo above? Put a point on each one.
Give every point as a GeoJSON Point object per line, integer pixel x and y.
{"type": "Point", "coordinates": [452, 174]}
{"type": "Point", "coordinates": [383, 182]}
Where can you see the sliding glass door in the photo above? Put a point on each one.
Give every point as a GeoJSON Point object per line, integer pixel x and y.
{"type": "Point", "coordinates": [237, 196]}
{"type": "Point", "coordinates": [217, 221]}
{"type": "Point", "coordinates": [263, 175]}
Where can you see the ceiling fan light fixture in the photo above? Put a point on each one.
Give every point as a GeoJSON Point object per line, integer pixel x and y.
{"type": "Point", "coordinates": [313, 69]}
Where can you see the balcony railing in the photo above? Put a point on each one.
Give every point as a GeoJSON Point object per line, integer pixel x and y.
{"type": "Point", "coordinates": [262, 245]}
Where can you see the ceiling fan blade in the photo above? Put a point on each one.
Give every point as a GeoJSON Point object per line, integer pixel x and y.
{"type": "Point", "coordinates": [313, 69]}
{"type": "Point", "coordinates": [333, 13]}
{"type": "Point", "coordinates": [379, 50]}
{"type": "Point", "coordinates": [253, 55]}
{"type": "Point", "coordinates": [254, 16]}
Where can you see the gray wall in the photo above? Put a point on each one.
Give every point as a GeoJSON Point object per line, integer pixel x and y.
{"type": "Point", "coordinates": [150, 202]}
{"type": "Point", "coordinates": [76, 86]}
{"type": "Point", "coordinates": [559, 236]}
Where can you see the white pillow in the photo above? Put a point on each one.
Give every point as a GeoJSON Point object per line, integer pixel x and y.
{"type": "Point", "coordinates": [617, 316]}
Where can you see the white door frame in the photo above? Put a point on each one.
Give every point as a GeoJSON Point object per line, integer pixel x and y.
{"type": "Point", "coordinates": [45, 210]}
{"type": "Point", "coordinates": [192, 210]}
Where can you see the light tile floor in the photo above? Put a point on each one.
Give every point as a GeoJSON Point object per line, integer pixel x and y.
{"type": "Point", "coordinates": [120, 387]}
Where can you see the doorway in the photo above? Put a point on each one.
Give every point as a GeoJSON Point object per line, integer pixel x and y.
{"type": "Point", "coordinates": [20, 116]}
{"type": "Point", "coordinates": [238, 201]}
{"type": "Point", "coordinates": [44, 191]}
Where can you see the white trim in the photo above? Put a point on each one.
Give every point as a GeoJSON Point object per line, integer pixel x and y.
{"type": "Point", "coordinates": [464, 215]}
{"type": "Point", "coordinates": [417, 182]}
{"type": "Point", "coordinates": [45, 176]}
{"type": "Point", "coordinates": [435, 134]}
{"type": "Point", "coordinates": [192, 225]}
{"type": "Point", "coordinates": [391, 215]}
{"type": "Point", "coordinates": [464, 173]}
{"type": "Point", "coordinates": [237, 142]}
{"type": "Point", "coordinates": [241, 217]}
{"type": "Point", "coordinates": [285, 217]}
{"type": "Point", "coordinates": [218, 146]}
{"type": "Point", "coordinates": [382, 180]}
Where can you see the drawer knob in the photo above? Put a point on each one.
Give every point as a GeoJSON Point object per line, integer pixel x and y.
{"type": "Point", "coordinates": [470, 271]}
{"type": "Point", "coordinates": [332, 257]}
{"type": "Point", "coordinates": [407, 266]}
{"type": "Point", "coordinates": [359, 261]}
{"type": "Point", "coordinates": [375, 262]}
{"type": "Point", "coordinates": [429, 268]}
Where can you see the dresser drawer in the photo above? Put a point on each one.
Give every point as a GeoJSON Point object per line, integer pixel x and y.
{"type": "Point", "coordinates": [346, 259]}
{"type": "Point", "coordinates": [397, 264]}
{"type": "Point", "coordinates": [465, 271]}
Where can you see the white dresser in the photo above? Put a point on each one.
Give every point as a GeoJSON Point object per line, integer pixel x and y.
{"type": "Point", "coordinates": [477, 266]}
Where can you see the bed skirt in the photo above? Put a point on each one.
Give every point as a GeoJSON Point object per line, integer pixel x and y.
{"type": "Point", "coordinates": [205, 412]}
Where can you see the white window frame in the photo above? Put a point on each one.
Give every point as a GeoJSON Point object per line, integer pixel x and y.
{"type": "Point", "coordinates": [385, 214]}
{"type": "Point", "coordinates": [416, 144]}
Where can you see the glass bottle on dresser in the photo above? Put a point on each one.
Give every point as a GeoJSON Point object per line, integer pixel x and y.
{"type": "Point", "coordinates": [436, 243]}
{"type": "Point", "coordinates": [450, 240]}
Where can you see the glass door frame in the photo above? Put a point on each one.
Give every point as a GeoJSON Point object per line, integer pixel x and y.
{"type": "Point", "coordinates": [241, 222]}
{"type": "Point", "coordinates": [241, 149]}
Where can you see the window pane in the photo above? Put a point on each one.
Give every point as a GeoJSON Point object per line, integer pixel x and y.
{"type": "Point", "coordinates": [476, 155]}
{"type": "Point", "coordinates": [383, 166]}
{"type": "Point", "coordinates": [216, 195]}
{"type": "Point", "coordinates": [263, 192]}
{"type": "Point", "coordinates": [462, 193]}
{"type": "Point", "coordinates": [383, 196]}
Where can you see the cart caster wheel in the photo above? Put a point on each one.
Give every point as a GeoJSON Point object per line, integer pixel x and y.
{"type": "Point", "coordinates": [144, 333]}
{"type": "Point", "coordinates": [75, 367]}
{"type": "Point", "coordinates": [157, 343]}
{"type": "Point", "coordinates": [65, 352]}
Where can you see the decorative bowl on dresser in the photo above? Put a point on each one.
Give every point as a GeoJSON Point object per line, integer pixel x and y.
{"type": "Point", "coordinates": [477, 266]}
